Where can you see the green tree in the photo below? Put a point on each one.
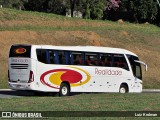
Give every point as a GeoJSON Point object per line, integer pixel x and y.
{"type": "Point", "coordinates": [143, 10]}
{"type": "Point", "coordinates": [97, 9]}
{"type": "Point", "coordinates": [6, 3]}
{"type": "Point", "coordinates": [87, 12]}
{"type": "Point", "coordinates": [58, 6]}
{"type": "Point", "coordinates": [18, 4]}
{"type": "Point", "coordinates": [76, 5]}
{"type": "Point", "coordinates": [93, 8]}
{"type": "Point", "coordinates": [37, 5]}
{"type": "Point", "coordinates": [72, 6]}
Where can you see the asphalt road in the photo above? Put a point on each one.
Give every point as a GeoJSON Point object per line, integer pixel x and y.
{"type": "Point", "coordinates": [7, 93]}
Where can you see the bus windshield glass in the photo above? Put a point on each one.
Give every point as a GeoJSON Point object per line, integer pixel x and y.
{"type": "Point", "coordinates": [20, 51]}
{"type": "Point", "coordinates": [136, 67]}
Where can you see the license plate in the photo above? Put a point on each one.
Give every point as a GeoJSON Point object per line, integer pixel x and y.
{"type": "Point", "coordinates": [18, 86]}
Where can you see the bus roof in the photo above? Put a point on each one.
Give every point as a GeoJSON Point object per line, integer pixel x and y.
{"type": "Point", "coordinates": [85, 48]}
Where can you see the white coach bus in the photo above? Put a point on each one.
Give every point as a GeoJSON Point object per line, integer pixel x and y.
{"type": "Point", "coordinates": [66, 69]}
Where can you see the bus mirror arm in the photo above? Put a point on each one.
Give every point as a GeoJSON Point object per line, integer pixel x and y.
{"type": "Point", "coordinates": [146, 67]}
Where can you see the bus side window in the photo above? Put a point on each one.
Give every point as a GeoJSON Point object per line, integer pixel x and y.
{"type": "Point", "coordinates": [77, 58]}
{"type": "Point", "coordinates": [102, 61]}
{"type": "Point", "coordinates": [106, 60]}
{"type": "Point", "coordinates": [38, 52]}
{"type": "Point", "coordinates": [41, 55]}
{"type": "Point", "coordinates": [67, 57]}
{"type": "Point", "coordinates": [91, 59]}
{"type": "Point", "coordinates": [61, 57]}
{"type": "Point", "coordinates": [51, 56]}
{"type": "Point", "coordinates": [120, 61]}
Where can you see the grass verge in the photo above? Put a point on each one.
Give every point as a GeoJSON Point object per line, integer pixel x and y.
{"type": "Point", "coordinates": [84, 102]}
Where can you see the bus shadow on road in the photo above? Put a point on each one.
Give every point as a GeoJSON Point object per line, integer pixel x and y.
{"type": "Point", "coordinates": [15, 93]}
{"type": "Point", "coordinates": [26, 93]}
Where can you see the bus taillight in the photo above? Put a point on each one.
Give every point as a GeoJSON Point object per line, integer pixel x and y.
{"type": "Point", "coordinates": [31, 77]}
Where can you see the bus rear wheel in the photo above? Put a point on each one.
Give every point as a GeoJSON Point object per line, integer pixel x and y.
{"type": "Point", "coordinates": [123, 88]}
{"type": "Point", "coordinates": [64, 90]}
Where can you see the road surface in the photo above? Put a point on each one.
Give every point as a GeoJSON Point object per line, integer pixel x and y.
{"type": "Point", "coordinates": [7, 93]}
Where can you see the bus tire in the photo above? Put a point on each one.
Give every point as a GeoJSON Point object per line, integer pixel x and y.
{"type": "Point", "coordinates": [64, 90]}
{"type": "Point", "coordinates": [123, 88]}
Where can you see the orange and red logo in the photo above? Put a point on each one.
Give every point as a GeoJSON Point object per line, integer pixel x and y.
{"type": "Point", "coordinates": [75, 76]}
{"type": "Point", "coordinates": [20, 50]}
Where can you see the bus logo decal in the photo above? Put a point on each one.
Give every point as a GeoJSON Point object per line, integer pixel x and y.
{"type": "Point", "coordinates": [75, 76]}
{"type": "Point", "coordinates": [20, 50]}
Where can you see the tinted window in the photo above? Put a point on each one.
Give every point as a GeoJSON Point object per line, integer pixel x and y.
{"type": "Point", "coordinates": [52, 56]}
{"type": "Point", "coordinates": [91, 59]}
{"type": "Point", "coordinates": [138, 72]}
{"type": "Point", "coordinates": [106, 60]}
{"type": "Point", "coordinates": [77, 58]}
{"type": "Point", "coordinates": [120, 61]}
{"type": "Point", "coordinates": [42, 55]}
{"type": "Point", "coordinates": [80, 58]}
{"type": "Point", "coordinates": [51, 59]}
{"type": "Point", "coordinates": [131, 60]}
{"type": "Point", "coordinates": [20, 51]}
{"type": "Point", "coordinates": [61, 57]}
{"type": "Point", "coordinates": [136, 67]}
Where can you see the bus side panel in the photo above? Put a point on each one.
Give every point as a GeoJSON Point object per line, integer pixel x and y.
{"type": "Point", "coordinates": [100, 79]}
{"type": "Point", "coordinates": [43, 80]}
{"type": "Point", "coordinates": [106, 79]}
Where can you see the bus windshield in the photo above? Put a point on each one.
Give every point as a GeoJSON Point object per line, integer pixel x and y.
{"type": "Point", "coordinates": [136, 67]}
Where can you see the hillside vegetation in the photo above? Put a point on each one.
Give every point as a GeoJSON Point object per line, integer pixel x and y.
{"type": "Point", "coordinates": [42, 28]}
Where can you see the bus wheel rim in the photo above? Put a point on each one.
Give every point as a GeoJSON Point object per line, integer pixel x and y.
{"type": "Point", "coordinates": [122, 90]}
{"type": "Point", "coordinates": [64, 90]}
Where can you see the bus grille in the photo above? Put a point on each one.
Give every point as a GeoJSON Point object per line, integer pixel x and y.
{"type": "Point", "coordinates": [19, 66]}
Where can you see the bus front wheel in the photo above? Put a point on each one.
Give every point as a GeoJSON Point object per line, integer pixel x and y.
{"type": "Point", "coordinates": [64, 90]}
{"type": "Point", "coordinates": [123, 88]}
